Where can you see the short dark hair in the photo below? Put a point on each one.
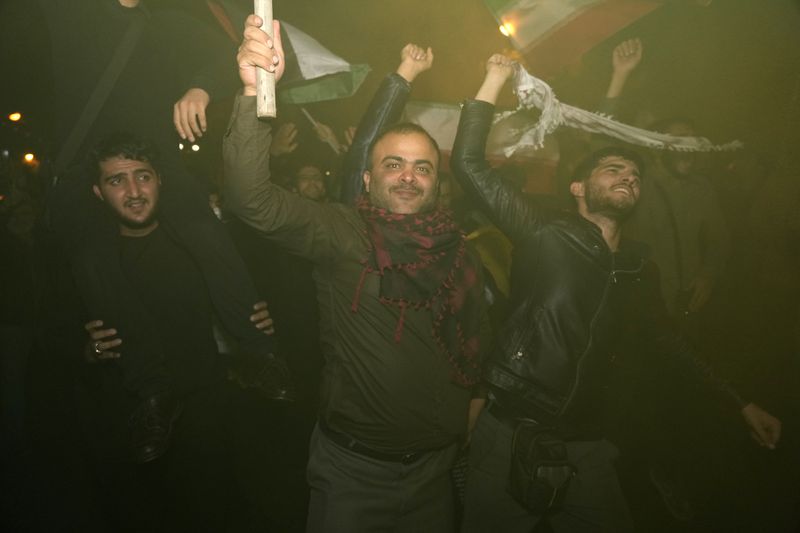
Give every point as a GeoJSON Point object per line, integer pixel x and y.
{"type": "Point", "coordinates": [122, 144]}
{"type": "Point", "coordinates": [590, 162]}
{"type": "Point", "coordinates": [294, 167]}
{"type": "Point", "coordinates": [403, 128]}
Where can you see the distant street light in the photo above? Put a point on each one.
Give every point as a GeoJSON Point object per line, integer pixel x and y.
{"type": "Point", "coordinates": [29, 157]}
{"type": "Point", "coordinates": [15, 117]}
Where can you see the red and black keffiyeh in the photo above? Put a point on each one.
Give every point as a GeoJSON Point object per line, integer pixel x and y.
{"type": "Point", "coordinates": [423, 263]}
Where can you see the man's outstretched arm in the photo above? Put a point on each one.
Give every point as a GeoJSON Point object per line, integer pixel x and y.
{"type": "Point", "coordinates": [298, 225]}
{"type": "Point", "coordinates": [764, 428]}
{"type": "Point", "coordinates": [624, 59]}
{"type": "Point", "coordinates": [507, 208]}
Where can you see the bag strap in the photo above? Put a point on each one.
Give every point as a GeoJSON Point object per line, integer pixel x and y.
{"type": "Point", "coordinates": [99, 96]}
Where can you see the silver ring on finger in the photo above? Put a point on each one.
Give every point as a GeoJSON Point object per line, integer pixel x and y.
{"type": "Point", "coordinates": [97, 349]}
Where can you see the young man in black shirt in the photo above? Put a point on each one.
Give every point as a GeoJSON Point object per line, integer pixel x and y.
{"type": "Point", "coordinates": [185, 487]}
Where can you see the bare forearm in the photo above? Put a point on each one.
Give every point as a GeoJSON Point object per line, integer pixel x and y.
{"type": "Point", "coordinates": [617, 84]}
{"type": "Point", "coordinates": [490, 89]}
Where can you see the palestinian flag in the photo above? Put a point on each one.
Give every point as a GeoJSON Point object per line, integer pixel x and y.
{"type": "Point", "coordinates": [313, 73]}
{"type": "Point", "coordinates": [553, 34]}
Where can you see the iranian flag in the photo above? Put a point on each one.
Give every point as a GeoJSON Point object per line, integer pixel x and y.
{"type": "Point", "coordinates": [552, 34]}
{"type": "Point", "coordinates": [535, 168]}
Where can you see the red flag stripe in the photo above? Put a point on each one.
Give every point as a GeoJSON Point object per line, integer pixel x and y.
{"type": "Point", "coordinates": [579, 34]}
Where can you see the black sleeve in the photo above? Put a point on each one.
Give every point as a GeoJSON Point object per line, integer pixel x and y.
{"type": "Point", "coordinates": [383, 110]}
{"type": "Point", "coordinates": [508, 209]}
{"type": "Point", "coordinates": [659, 331]}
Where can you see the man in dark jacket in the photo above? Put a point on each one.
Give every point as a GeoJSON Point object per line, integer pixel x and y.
{"type": "Point", "coordinates": [185, 489]}
{"type": "Point", "coordinates": [170, 54]}
{"type": "Point", "coordinates": [576, 286]}
{"type": "Point", "coordinates": [400, 301]}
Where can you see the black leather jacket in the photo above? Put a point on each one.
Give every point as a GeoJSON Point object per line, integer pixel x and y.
{"type": "Point", "coordinates": [572, 298]}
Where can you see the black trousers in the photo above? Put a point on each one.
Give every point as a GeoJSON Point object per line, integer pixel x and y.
{"type": "Point", "coordinates": [352, 492]}
{"type": "Point", "coordinates": [89, 235]}
{"type": "Point", "coordinates": [189, 489]}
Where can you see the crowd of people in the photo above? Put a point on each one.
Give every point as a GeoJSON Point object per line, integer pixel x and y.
{"type": "Point", "coordinates": [345, 334]}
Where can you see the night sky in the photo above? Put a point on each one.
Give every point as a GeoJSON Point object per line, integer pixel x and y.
{"type": "Point", "coordinates": [733, 66]}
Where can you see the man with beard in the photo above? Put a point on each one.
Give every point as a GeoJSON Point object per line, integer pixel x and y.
{"type": "Point", "coordinates": [401, 305]}
{"type": "Point", "coordinates": [577, 286]}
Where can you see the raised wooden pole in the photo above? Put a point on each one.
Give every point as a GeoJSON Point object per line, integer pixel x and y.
{"type": "Point", "coordinates": [265, 81]}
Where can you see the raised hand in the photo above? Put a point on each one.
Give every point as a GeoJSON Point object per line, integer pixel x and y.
{"type": "Point", "coordinates": [325, 134]}
{"type": "Point", "coordinates": [349, 135]}
{"type": "Point", "coordinates": [98, 347]}
{"type": "Point", "coordinates": [283, 140]}
{"type": "Point", "coordinates": [258, 50]}
{"type": "Point", "coordinates": [499, 68]}
{"type": "Point", "coordinates": [627, 56]}
{"type": "Point", "coordinates": [189, 114]}
{"type": "Point", "coordinates": [414, 60]}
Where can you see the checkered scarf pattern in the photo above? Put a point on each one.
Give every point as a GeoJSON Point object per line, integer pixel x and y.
{"type": "Point", "coordinates": [423, 263]}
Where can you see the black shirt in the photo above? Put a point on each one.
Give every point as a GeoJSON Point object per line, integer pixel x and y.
{"type": "Point", "coordinates": [172, 290]}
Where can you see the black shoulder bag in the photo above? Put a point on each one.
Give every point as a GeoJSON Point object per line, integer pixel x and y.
{"type": "Point", "coordinates": [540, 471]}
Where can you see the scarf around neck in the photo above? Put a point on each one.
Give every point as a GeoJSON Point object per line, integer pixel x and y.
{"type": "Point", "coordinates": [423, 263]}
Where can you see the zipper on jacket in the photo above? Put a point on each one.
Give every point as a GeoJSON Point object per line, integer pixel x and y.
{"type": "Point", "coordinates": [615, 271]}
{"type": "Point", "coordinates": [609, 280]}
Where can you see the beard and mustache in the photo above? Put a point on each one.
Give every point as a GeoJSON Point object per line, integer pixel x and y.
{"type": "Point", "coordinates": [601, 201]}
{"type": "Point", "coordinates": [134, 224]}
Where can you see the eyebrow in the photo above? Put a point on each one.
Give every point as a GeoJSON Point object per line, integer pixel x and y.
{"type": "Point", "coordinates": [136, 172]}
{"type": "Point", "coordinates": [402, 160]}
{"type": "Point", "coordinates": [113, 176]}
{"type": "Point", "coordinates": [634, 168]}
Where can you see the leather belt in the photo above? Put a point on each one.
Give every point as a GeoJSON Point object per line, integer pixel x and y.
{"type": "Point", "coordinates": [346, 441]}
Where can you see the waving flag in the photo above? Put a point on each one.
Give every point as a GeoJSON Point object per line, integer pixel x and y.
{"type": "Point", "coordinates": [313, 73]}
{"type": "Point", "coordinates": [536, 167]}
{"type": "Point", "coordinates": [534, 93]}
{"type": "Point", "coordinates": [552, 34]}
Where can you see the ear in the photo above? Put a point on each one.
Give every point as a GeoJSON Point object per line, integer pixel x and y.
{"type": "Point", "coordinates": [366, 177]}
{"type": "Point", "coordinates": [97, 193]}
{"type": "Point", "coordinates": [576, 188]}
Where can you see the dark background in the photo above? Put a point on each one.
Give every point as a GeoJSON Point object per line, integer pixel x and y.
{"type": "Point", "coordinates": [733, 66]}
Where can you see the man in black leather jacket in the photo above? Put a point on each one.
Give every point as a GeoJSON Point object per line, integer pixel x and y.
{"type": "Point", "coordinates": [577, 286]}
